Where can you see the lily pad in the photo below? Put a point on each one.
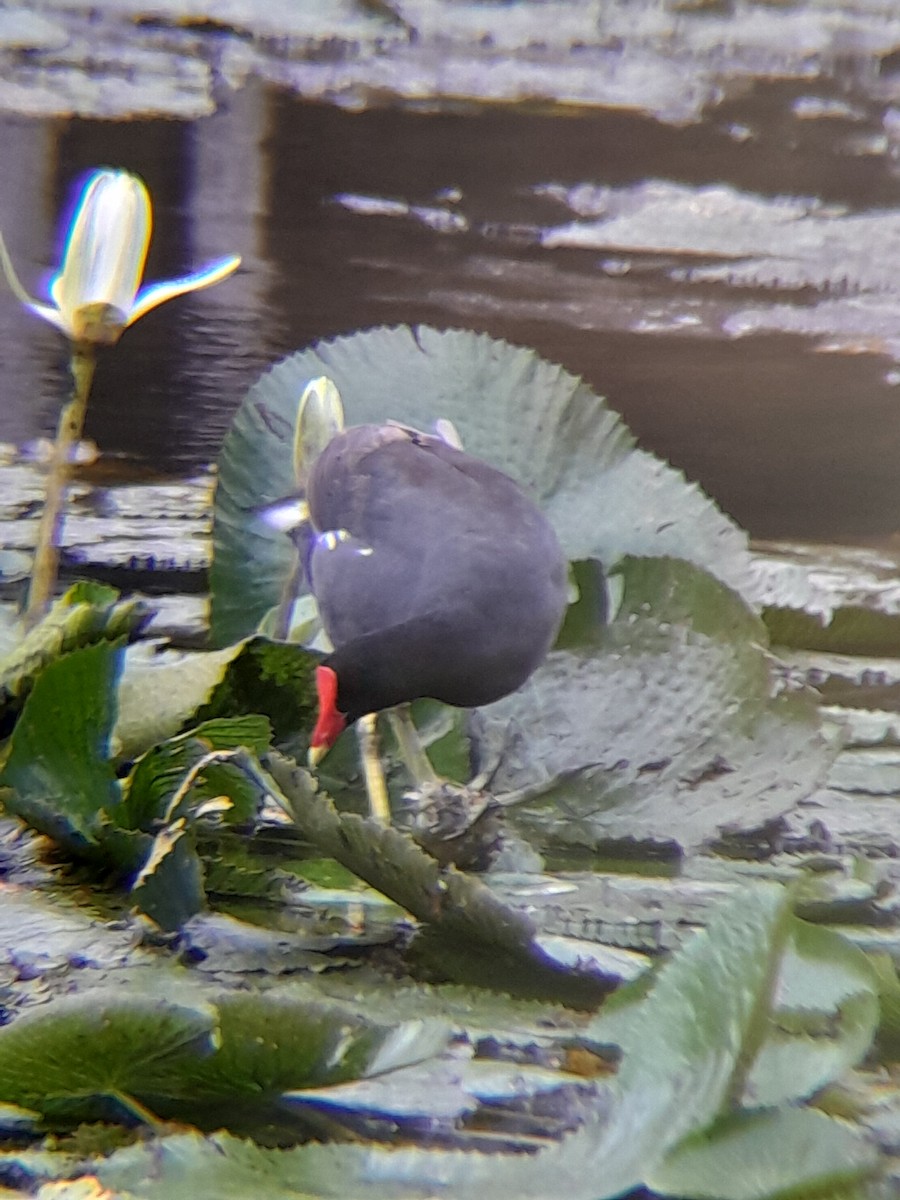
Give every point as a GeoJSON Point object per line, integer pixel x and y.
{"type": "Point", "coordinates": [825, 1014]}
{"type": "Point", "coordinates": [280, 1039]}
{"type": "Point", "coordinates": [532, 419]}
{"type": "Point", "coordinates": [670, 723]}
{"type": "Point", "coordinates": [840, 599]}
{"type": "Point", "coordinates": [685, 1044]}
{"type": "Point", "coordinates": [166, 1043]}
{"type": "Point", "coordinates": [66, 1057]}
{"type": "Point", "coordinates": [788, 1152]}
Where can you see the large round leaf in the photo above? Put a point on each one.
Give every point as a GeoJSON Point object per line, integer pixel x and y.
{"type": "Point", "coordinates": [532, 419]}
{"type": "Point", "coordinates": [668, 722]}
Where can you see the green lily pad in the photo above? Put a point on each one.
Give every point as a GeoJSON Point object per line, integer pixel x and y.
{"type": "Point", "coordinates": [685, 1044]}
{"type": "Point", "coordinates": [281, 1040]}
{"type": "Point", "coordinates": [784, 1153]}
{"type": "Point", "coordinates": [67, 1057]}
{"type": "Point", "coordinates": [668, 723]}
{"type": "Point", "coordinates": [191, 1167]}
{"type": "Point", "coordinates": [167, 1044]}
{"type": "Point", "coordinates": [825, 1014]}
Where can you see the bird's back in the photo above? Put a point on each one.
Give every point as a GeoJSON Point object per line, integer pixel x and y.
{"type": "Point", "coordinates": [429, 549]}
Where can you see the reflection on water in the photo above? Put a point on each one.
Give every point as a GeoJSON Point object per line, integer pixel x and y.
{"type": "Point", "coordinates": [792, 442]}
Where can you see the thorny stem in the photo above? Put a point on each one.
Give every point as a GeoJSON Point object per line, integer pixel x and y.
{"type": "Point", "coordinates": [68, 434]}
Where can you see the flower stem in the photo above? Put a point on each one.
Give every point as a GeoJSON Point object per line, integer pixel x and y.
{"type": "Point", "coordinates": [68, 434]}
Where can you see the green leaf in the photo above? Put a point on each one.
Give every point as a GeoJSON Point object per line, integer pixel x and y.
{"type": "Point", "coordinates": [87, 613]}
{"type": "Point", "coordinates": [161, 772]}
{"type": "Point", "coordinates": [60, 1059]}
{"type": "Point", "coordinates": [161, 690]}
{"type": "Point", "coordinates": [191, 1167]}
{"type": "Point", "coordinates": [788, 1152]}
{"type": "Point", "coordinates": [58, 764]}
{"type": "Point", "coordinates": [824, 1017]}
{"type": "Point", "coordinates": [271, 678]}
{"type": "Point", "coordinates": [686, 1046]}
{"type": "Point", "coordinates": [532, 419]}
{"type": "Point", "coordinates": [281, 1040]}
{"type": "Point", "coordinates": [212, 772]}
{"type": "Point", "coordinates": [889, 996]}
{"type": "Point", "coordinates": [837, 599]}
{"type": "Point", "coordinates": [477, 937]}
{"type": "Point", "coordinates": [699, 734]}
{"type": "Point", "coordinates": [169, 887]}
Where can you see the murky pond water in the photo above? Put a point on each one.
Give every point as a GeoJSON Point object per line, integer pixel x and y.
{"type": "Point", "coordinates": [693, 274]}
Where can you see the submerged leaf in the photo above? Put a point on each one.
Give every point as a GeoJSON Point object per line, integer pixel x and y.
{"type": "Point", "coordinates": [532, 419]}
{"type": "Point", "coordinates": [42, 936]}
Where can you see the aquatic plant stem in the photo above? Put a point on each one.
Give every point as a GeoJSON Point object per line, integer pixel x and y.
{"type": "Point", "coordinates": [411, 749]}
{"type": "Point", "coordinates": [282, 624]}
{"type": "Point", "coordinates": [68, 433]}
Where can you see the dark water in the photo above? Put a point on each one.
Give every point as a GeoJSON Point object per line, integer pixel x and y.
{"type": "Point", "coordinates": [791, 442]}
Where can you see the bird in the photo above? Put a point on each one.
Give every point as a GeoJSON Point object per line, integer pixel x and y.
{"type": "Point", "coordinates": [434, 573]}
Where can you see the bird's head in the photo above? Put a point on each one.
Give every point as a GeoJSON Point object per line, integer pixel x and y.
{"type": "Point", "coordinates": [330, 722]}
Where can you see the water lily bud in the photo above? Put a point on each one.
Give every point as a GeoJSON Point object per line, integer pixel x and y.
{"type": "Point", "coordinates": [97, 291]}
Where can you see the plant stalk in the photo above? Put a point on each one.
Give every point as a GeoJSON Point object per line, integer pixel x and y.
{"type": "Point", "coordinates": [68, 434]}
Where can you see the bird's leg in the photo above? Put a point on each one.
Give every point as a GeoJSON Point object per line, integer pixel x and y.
{"type": "Point", "coordinates": [376, 788]}
{"type": "Point", "coordinates": [411, 749]}
{"type": "Point", "coordinates": [451, 821]}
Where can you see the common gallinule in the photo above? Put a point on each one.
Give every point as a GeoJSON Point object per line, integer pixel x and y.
{"type": "Point", "coordinates": [434, 574]}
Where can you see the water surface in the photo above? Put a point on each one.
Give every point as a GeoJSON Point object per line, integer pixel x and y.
{"type": "Point", "coordinates": [351, 219]}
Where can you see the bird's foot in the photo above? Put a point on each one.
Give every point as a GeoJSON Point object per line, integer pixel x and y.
{"type": "Point", "coordinates": [454, 823]}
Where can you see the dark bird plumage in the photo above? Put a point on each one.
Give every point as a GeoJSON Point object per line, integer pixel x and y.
{"type": "Point", "coordinates": [435, 575]}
